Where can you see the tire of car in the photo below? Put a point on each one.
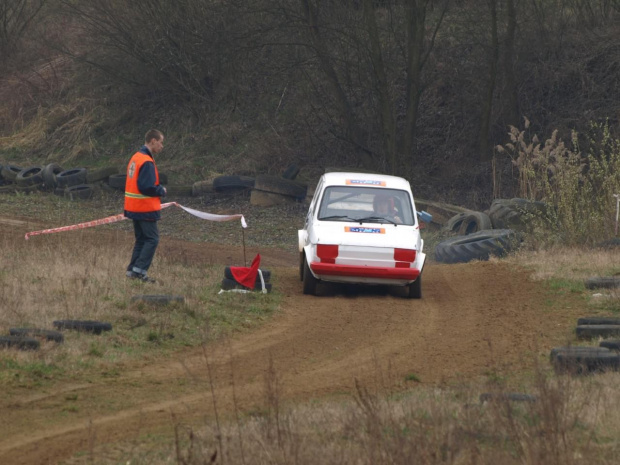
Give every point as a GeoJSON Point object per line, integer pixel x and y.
{"type": "Point", "coordinates": [117, 181]}
{"type": "Point", "coordinates": [228, 284]}
{"type": "Point", "coordinates": [80, 192]}
{"type": "Point", "coordinates": [301, 266]}
{"type": "Point", "coordinates": [291, 171]}
{"type": "Point", "coordinates": [415, 288]}
{"type": "Point", "coordinates": [49, 175]}
{"type": "Point", "coordinates": [282, 186]}
{"type": "Point", "coordinates": [477, 246]}
{"type": "Point", "coordinates": [592, 331]}
{"type": "Point", "coordinates": [598, 321]}
{"type": "Point", "coordinates": [586, 362]}
{"type": "Point", "coordinates": [159, 299]}
{"type": "Point", "coordinates": [10, 172]}
{"type": "Point", "coordinates": [87, 326]}
{"type": "Point", "coordinates": [474, 222]}
{"type": "Point", "coordinates": [605, 282]}
{"type": "Point", "coordinates": [100, 174]}
{"type": "Point", "coordinates": [72, 177]}
{"type": "Point", "coordinates": [232, 183]}
{"type": "Point", "coordinates": [48, 334]}
{"type": "Point", "coordinates": [30, 177]}
{"type": "Point", "coordinates": [266, 274]}
{"type": "Point", "coordinates": [19, 342]}
{"type": "Point", "coordinates": [309, 281]}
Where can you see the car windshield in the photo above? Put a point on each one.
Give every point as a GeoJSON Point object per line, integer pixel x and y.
{"type": "Point", "coordinates": [366, 205]}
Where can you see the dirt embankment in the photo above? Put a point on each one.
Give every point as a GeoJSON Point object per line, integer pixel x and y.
{"type": "Point", "coordinates": [472, 319]}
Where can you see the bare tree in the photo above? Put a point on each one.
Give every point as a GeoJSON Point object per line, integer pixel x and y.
{"type": "Point", "coordinates": [16, 16]}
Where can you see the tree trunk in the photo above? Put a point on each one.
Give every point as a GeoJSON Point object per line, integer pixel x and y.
{"type": "Point", "coordinates": [512, 108]}
{"type": "Point", "coordinates": [487, 104]}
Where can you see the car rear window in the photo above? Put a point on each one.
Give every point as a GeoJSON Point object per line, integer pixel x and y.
{"type": "Point", "coordinates": [350, 203]}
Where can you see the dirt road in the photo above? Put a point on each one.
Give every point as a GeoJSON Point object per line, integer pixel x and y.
{"type": "Point", "coordinates": [472, 319]}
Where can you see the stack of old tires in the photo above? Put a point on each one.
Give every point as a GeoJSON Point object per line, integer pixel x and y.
{"type": "Point", "coordinates": [495, 232]}
{"type": "Point", "coordinates": [75, 183]}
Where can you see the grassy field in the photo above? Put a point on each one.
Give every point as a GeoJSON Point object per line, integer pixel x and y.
{"type": "Point", "coordinates": [567, 420]}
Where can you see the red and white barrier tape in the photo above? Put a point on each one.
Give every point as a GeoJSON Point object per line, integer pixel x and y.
{"type": "Point", "coordinates": [121, 217]}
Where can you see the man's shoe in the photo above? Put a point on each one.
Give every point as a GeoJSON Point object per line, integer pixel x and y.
{"type": "Point", "coordinates": [142, 277]}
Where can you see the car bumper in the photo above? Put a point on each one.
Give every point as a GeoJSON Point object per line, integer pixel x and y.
{"type": "Point", "coordinates": [384, 274]}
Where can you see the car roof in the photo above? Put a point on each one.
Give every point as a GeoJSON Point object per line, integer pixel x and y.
{"type": "Point", "coordinates": [365, 179]}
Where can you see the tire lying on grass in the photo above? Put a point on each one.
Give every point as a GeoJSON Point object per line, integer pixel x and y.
{"type": "Point", "coordinates": [48, 334]}
{"type": "Point", "coordinates": [515, 213]}
{"type": "Point", "coordinates": [100, 174]}
{"type": "Point", "coordinates": [72, 177]}
{"type": "Point", "coordinates": [579, 360]}
{"type": "Point", "coordinates": [598, 320]}
{"type": "Point", "coordinates": [605, 282]}
{"type": "Point", "coordinates": [477, 246]}
{"type": "Point", "coordinates": [117, 181]}
{"type": "Point", "coordinates": [228, 284]}
{"type": "Point", "coordinates": [30, 177]}
{"type": "Point", "coordinates": [49, 174]}
{"type": "Point", "coordinates": [87, 326]}
{"type": "Point", "coordinates": [592, 331]}
{"type": "Point", "coordinates": [474, 222]}
{"type": "Point", "coordinates": [10, 172]}
{"type": "Point", "coordinates": [80, 192]}
{"type": "Point", "coordinates": [613, 344]}
{"type": "Point", "coordinates": [232, 183]}
{"type": "Point", "coordinates": [19, 342]}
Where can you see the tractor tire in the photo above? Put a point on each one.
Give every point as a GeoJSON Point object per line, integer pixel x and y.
{"type": "Point", "coordinates": [477, 246]}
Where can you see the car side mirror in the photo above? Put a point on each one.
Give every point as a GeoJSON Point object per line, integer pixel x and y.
{"type": "Point", "coordinates": [424, 216]}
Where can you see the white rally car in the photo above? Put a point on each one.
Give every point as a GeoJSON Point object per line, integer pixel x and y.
{"type": "Point", "coordinates": [362, 228]}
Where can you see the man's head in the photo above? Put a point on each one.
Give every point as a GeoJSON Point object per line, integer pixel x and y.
{"type": "Point", "coordinates": [154, 141]}
{"type": "Point", "coordinates": [383, 204]}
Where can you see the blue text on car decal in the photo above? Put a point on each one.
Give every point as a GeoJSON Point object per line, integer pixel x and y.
{"type": "Point", "coordinates": [365, 182]}
{"type": "Point", "coordinates": [359, 229]}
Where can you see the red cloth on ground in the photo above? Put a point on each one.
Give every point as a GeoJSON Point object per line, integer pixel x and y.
{"type": "Point", "coordinates": [244, 275]}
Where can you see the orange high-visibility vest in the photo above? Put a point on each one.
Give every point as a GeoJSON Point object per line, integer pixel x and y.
{"type": "Point", "coordinates": [135, 201]}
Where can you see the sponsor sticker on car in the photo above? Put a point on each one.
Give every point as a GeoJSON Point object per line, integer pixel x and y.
{"type": "Point", "coordinates": [364, 182]}
{"type": "Point", "coordinates": [359, 229]}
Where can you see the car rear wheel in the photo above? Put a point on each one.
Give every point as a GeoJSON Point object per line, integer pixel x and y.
{"type": "Point", "coordinates": [310, 281]}
{"type": "Point", "coordinates": [415, 289]}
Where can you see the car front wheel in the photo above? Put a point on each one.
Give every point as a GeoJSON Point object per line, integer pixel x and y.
{"type": "Point", "coordinates": [310, 281]}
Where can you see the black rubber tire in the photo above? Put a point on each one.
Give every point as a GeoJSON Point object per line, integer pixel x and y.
{"type": "Point", "coordinates": [232, 183]}
{"type": "Point", "coordinates": [506, 396]}
{"type": "Point", "coordinates": [301, 266]}
{"type": "Point", "coordinates": [87, 326]}
{"type": "Point", "coordinates": [605, 282]}
{"type": "Point", "coordinates": [228, 284]}
{"type": "Point", "coordinates": [159, 299]}
{"type": "Point", "coordinates": [309, 281]}
{"type": "Point", "coordinates": [100, 174]}
{"type": "Point", "coordinates": [583, 362]}
{"type": "Point", "coordinates": [281, 186]}
{"type": "Point", "coordinates": [515, 213]}
{"type": "Point", "coordinates": [80, 192]}
{"type": "Point", "coordinates": [266, 274]}
{"type": "Point", "coordinates": [179, 191]}
{"type": "Point", "coordinates": [30, 177]}
{"type": "Point", "coordinates": [291, 171]}
{"type": "Point", "coordinates": [613, 344]}
{"type": "Point", "coordinates": [415, 289]}
{"type": "Point", "coordinates": [477, 246]}
{"type": "Point", "coordinates": [48, 334]}
{"type": "Point", "coordinates": [19, 342]}
{"type": "Point", "coordinates": [72, 177]}
{"type": "Point", "coordinates": [592, 331]}
{"type": "Point", "coordinates": [576, 350]}
{"type": "Point", "coordinates": [10, 172]}
{"type": "Point", "coordinates": [454, 223]}
{"type": "Point", "coordinates": [598, 321]}
{"type": "Point", "coordinates": [117, 181]}
{"type": "Point", "coordinates": [474, 222]}
{"type": "Point", "coordinates": [49, 175]}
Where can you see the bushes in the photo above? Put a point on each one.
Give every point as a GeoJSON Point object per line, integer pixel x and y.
{"type": "Point", "coordinates": [579, 186]}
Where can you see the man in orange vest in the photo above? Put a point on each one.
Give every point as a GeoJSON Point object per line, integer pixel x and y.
{"type": "Point", "coordinates": [143, 205]}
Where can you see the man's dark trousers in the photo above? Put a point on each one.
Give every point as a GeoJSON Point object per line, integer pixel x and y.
{"type": "Point", "coordinates": [147, 238]}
